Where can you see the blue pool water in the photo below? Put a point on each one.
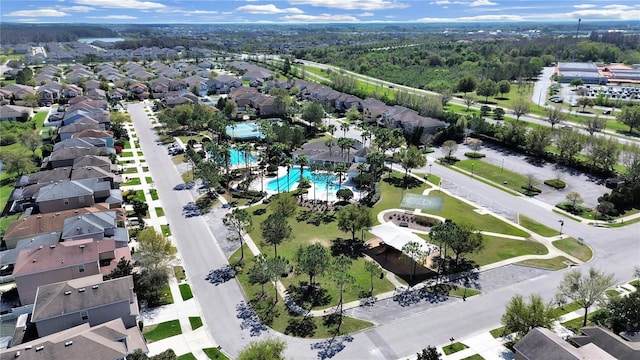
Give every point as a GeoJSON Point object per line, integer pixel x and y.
{"type": "Point", "coordinates": [237, 157]}
{"type": "Point", "coordinates": [285, 183]}
{"type": "Point", "coordinates": [248, 130]}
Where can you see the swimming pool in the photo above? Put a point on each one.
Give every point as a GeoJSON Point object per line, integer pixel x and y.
{"type": "Point", "coordinates": [285, 183]}
{"type": "Point", "coordinates": [247, 130]}
{"type": "Point", "coordinates": [237, 157]}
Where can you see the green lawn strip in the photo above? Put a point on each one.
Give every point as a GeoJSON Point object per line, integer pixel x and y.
{"type": "Point", "coordinates": [278, 317]}
{"type": "Point", "coordinates": [536, 227]}
{"type": "Point", "coordinates": [185, 292]}
{"type": "Point", "coordinates": [165, 295]}
{"type": "Point", "coordinates": [556, 263]}
{"type": "Point", "coordinates": [154, 194]}
{"type": "Point", "coordinates": [140, 153]}
{"type": "Point", "coordinates": [494, 173]}
{"type": "Point", "coordinates": [434, 179]}
{"type": "Point", "coordinates": [452, 208]}
{"type": "Point", "coordinates": [567, 308]}
{"type": "Point", "coordinates": [625, 223]}
{"type": "Point", "coordinates": [148, 179]}
{"type": "Point", "coordinates": [498, 332]}
{"type": "Point", "coordinates": [463, 292]}
{"type": "Point", "coordinates": [187, 356]}
{"type": "Point", "coordinates": [576, 324]}
{"type": "Point", "coordinates": [126, 154]}
{"type": "Point", "coordinates": [612, 294]}
{"type": "Point", "coordinates": [635, 283]}
{"type": "Point", "coordinates": [145, 168]}
{"type": "Point", "coordinates": [162, 331]}
{"type": "Point", "coordinates": [474, 357]}
{"type": "Point", "coordinates": [159, 212]}
{"type": "Point", "coordinates": [132, 181]}
{"type": "Point", "coordinates": [572, 247]}
{"type": "Point", "coordinates": [454, 348]}
{"type": "Point", "coordinates": [131, 170]}
{"type": "Point", "coordinates": [178, 272]}
{"type": "Point", "coordinates": [214, 353]}
{"type": "Point", "coordinates": [195, 321]}
{"type": "Point", "coordinates": [127, 145]}
{"type": "Point", "coordinates": [498, 249]}
{"type": "Point", "coordinates": [575, 218]}
{"type": "Point", "coordinates": [166, 230]}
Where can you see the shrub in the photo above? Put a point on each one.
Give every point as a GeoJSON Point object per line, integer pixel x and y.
{"type": "Point", "coordinates": [556, 183]}
{"type": "Point", "coordinates": [375, 195]}
{"type": "Point", "coordinates": [426, 221]}
{"type": "Point", "coordinates": [449, 160]}
{"type": "Point", "coordinates": [474, 155]}
{"type": "Point", "coordinates": [531, 191]}
{"type": "Point", "coordinates": [8, 139]}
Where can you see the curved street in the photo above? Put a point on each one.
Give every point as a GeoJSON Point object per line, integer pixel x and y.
{"type": "Point", "coordinates": [402, 332]}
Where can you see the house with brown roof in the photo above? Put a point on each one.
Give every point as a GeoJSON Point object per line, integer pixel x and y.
{"type": "Point", "coordinates": [17, 91]}
{"type": "Point", "coordinates": [63, 305]}
{"type": "Point", "coordinates": [95, 161]}
{"type": "Point", "coordinates": [243, 96]}
{"type": "Point", "coordinates": [400, 117]}
{"type": "Point", "coordinates": [38, 224]}
{"type": "Point", "coordinates": [107, 341]}
{"type": "Point", "coordinates": [372, 109]}
{"type": "Point", "coordinates": [61, 262]}
{"type": "Point", "coordinates": [66, 157]}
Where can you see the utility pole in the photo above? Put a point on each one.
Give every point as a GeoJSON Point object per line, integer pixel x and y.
{"type": "Point", "coordinates": [575, 46]}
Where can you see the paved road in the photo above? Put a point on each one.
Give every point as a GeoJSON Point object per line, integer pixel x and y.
{"type": "Point", "coordinates": [617, 251]}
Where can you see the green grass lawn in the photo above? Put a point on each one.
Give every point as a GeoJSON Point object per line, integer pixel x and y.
{"type": "Point", "coordinates": [159, 212]}
{"type": "Point", "coordinates": [454, 348]}
{"type": "Point", "coordinates": [154, 194]}
{"type": "Point", "coordinates": [166, 230]}
{"type": "Point", "coordinates": [145, 168]}
{"type": "Point", "coordinates": [178, 272]}
{"type": "Point", "coordinates": [536, 227]}
{"type": "Point", "coordinates": [127, 145]}
{"type": "Point", "coordinates": [497, 332]}
{"type": "Point", "coordinates": [195, 321]}
{"type": "Point", "coordinates": [149, 179]}
{"type": "Point", "coordinates": [498, 249]}
{"type": "Point", "coordinates": [132, 181]}
{"type": "Point", "coordinates": [126, 154]}
{"type": "Point", "coordinates": [635, 283]}
{"type": "Point", "coordinates": [576, 324]}
{"type": "Point", "coordinates": [494, 173]}
{"type": "Point", "coordinates": [187, 356]}
{"type": "Point", "coordinates": [162, 331]}
{"type": "Point", "coordinates": [165, 295]}
{"type": "Point", "coordinates": [6, 220]}
{"type": "Point", "coordinates": [567, 308]}
{"type": "Point", "coordinates": [474, 357]}
{"type": "Point", "coordinates": [572, 247]}
{"type": "Point", "coordinates": [130, 170]}
{"type": "Point", "coordinates": [556, 263]}
{"type": "Point", "coordinates": [215, 354]}
{"type": "Point", "coordinates": [185, 292]}
{"type": "Point", "coordinates": [280, 319]}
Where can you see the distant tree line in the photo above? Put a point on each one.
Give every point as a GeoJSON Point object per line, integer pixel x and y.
{"type": "Point", "coordinates": [42, 33]}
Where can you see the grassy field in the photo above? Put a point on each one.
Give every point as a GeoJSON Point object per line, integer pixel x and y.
{"type": "Point", "coordinates": [498, 249]}
{"type": "Point", "coordinates": [556, 263]}
{"type": "Point", "coordinates": [162, 331]}
{"type": "Point", "coordinates": [185, 292]}
{"type": "Point", "coordinates": [494, 173]}
{"type": "Point", "coordinates": [195, 321]}
{"type": "Point", "coordinates": [572, 247]}
{"type": "Point", "coordinates": [536, 227]}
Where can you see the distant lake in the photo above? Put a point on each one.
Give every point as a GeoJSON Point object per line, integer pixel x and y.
{"type": "Point", "coordinates": [90, 40]}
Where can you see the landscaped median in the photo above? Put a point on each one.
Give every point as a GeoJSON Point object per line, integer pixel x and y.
{"type": "Point", "coordinates": [162, 330]}
{"type": "Point", "coordinates": [495, 176]}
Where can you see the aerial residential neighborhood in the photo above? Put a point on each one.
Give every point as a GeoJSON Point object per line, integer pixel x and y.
{"type": "Point", "coordinates": [328, 190]}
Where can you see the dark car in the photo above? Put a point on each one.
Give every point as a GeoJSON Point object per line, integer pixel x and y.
{"type": "Point", "coordinates": [606, 112]}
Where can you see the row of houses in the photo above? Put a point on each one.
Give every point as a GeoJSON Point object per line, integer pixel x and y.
{"type": "Point", "coordinates": [70, 237]}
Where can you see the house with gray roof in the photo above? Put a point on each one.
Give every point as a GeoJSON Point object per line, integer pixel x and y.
{"type": "Point", "coordinates": [96, 172]}
{"type": "Point", "coordinates": [63, 305]}
{"type": "Point", "coordinates": [224, 83]}
{"type": "Point", "coordinates": [15, 113]}
{"type": "Point", "coordinates": [64, 195]}
{"type": "Point", "coordinates": [409, 121]}
{"type": "Point", "coordinates": [97, 226]}
{"type": "Point", "coordinates": [107, 341]}
{"type": "Point", "coordinates": [106, 136]}
{"type": "Point", "coordinates": [79, 142]}
{"type": "Point", "coordinates": [44, 176]}
{"type": "Point", "coordinates": [66, 131]}
{"type": "Point", "coordinates": [95, 161]}
{"type": "Point", "coordinates": [66, 157]}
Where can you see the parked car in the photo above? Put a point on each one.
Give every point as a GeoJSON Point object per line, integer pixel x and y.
{"type": "Point", "coordinates": [606, 112]}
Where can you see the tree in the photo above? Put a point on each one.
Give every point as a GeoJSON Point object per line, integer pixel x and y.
{"type": "Point", "coordinates": [574, 198]}
{"type": "Point", "coordinates": [595, 124]}
{"type": "Point", "coordinates": [498, 113]}
{"type": "Point", "coordinates": [504, 86]}
{"type": "Point", "coordinates": [520, 107]}
{"type": "Point", "coordinates": [623, 313]}
{"type": "Point", "coordinates": [466, 84]}
{"type": "Point", "coordinates": [449, 147]}
{"type": "Point", "coordinates": [123, 268]}
{"type": "Point", "coordinates": [30, 140]}
{"type": "Point", "coordinates": [259, 272]}
{"type": "Point", "coordinates": [353, 218]}
{"type": "Point", "coordinates": [283, 205]}
{"type": "Point", "coordinates": [576, 82]}
{"type": "Point", "coordinates": [429, 353]}
{"type": "Point", "coordinates": [341, 275]}
{"type": "Point", "coordinates": [31, 100]}
{"type": "Point", "coordinates": [410, 158]}
{"type": "Point", "coordinates": [555, 116]}
{"type": "Point", "coordinates": [585, 101]}
{"type": "Point", "coordinates": [602, 152]}
{"type": "Point", "coordinates": [538, 139]}
{"type": "Point", "coordinates": [520, 316]}
{"type": "Point", "coordinates": [276, 266]}
{"type": "Point", "coordinates": [313, 260]}
{"type": "Point", "coordinates": [469, 100]}
{"type": "Point", "coordinates": [464, 239]}
{"type": "Point", "coordinates": [140, 207]}
{"type": "Point", "coordinates": [238, 222]}
{"type": "Point", "coordinates": [630, 116]}
{"type": "Point", "coordinates": [586, 290]}
{"type": "Point", "coordinates": [487, 88]}
{"type": "Point", "coordinates": [344, 194]}
{"type": "Point", "coordinates": [275, 229]}
{"type": "Point", "coordinates": [155, 251]}
{"type": "Point", "coordinates": [414, 253]}
{"type": "Point", "coordinates": [636, 273]}
{"type": "Point", "coordinates": [374, 270]}
{"type": "Point", "coordinates": [303, 161]}
{"type": "Point", "coordinates": [17, 162]}
{"type": "Point", "coordinates": [313, 113]}
{"type": "Point", "coordinates": [353, 115]}
{"type": "Point", "coordinates": [268, 349]}
{"type": "Point", "coordinates": [570, 143]}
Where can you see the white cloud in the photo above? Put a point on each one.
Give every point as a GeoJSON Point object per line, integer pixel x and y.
{"type": "Point", "coordinates": [482, 3]}
{"type": "Point", "coordinates": [352, 4]}
{"type": "Point", "coordinates": [584, 6]}
{"type": "Point", "coordinates": [609, 14]}
{"type": "Point", "coordinates": [123, 4]}
{"type": "Point", "coordinates": [37, 13]}
{"type": "Point", "coordinates": [197, 12]}
{"type": "Point", "coordinates": [113, 17]}
{"type": "Point", "coordinates": [267, 9]}
{"type": "Point", "coordinates": [503, 17]}
{"type": "Point", "coordinates": [319, 18]}
{"type": "Point", "coordinates": [618, 7]}
{"type": "Point", "coordinates": [77, 8]}
{"type": "Point", "coordinates": [365, 14]}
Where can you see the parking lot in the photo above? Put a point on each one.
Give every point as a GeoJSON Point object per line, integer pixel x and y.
{"type": "Point", "coordinates": [570, 95]}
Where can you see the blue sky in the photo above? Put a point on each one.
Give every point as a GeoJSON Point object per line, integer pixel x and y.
{"type": "Point", "coordinates": [284, 11]}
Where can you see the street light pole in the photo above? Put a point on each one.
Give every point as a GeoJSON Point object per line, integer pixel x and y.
{"type": "Point", "coordinates": [561, 225]}
{"type": "Point", "coordinates": [502, 166]}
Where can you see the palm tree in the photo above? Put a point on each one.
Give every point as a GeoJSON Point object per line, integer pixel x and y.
{"type": "Point", "coordinates": [344, 127]}
{"type": "Point", "coordinates": [329, 143]}
{"type": "Point", "coordinates": [287, 162]}
{"type": "Point", "coordinates": [365, 134]}
{"type": "Point", "coordinates": [246, 148]}
{"type": "Point", "coordinates": [302, 161]}
{"type": "Point", "coordinates": [340, 169]}
{"type": "Point", "coordinates": [314, 172]}
{"type": "Point", "coordinates": [331, 128]}
{"type": "Point", "coordinates": [328, 168]}
{"type": "Point", "coordinates": [375, 160]}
